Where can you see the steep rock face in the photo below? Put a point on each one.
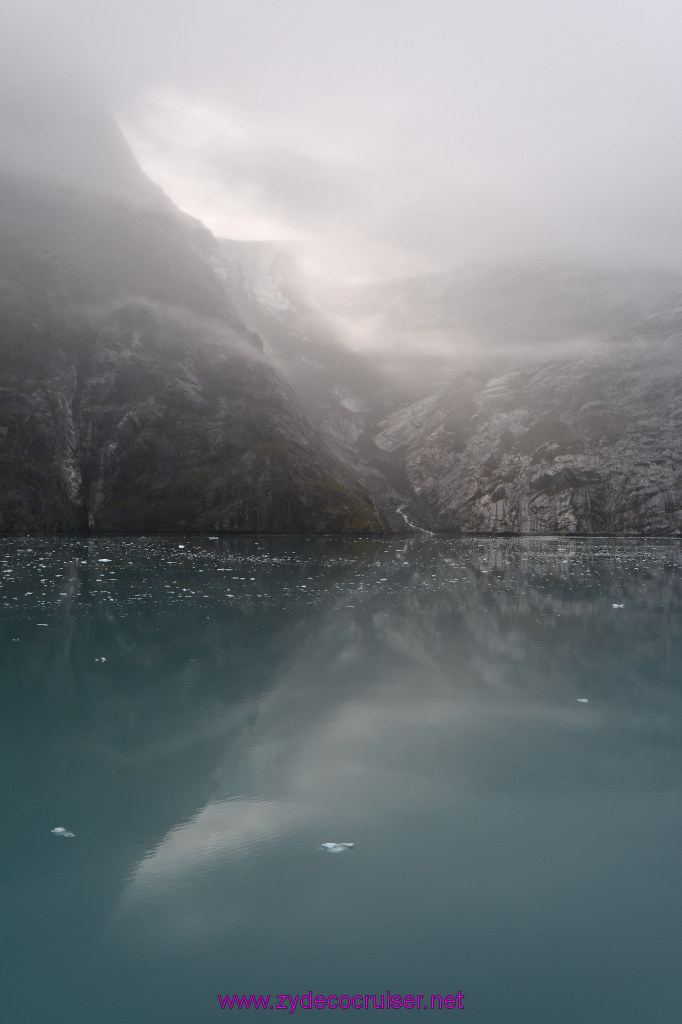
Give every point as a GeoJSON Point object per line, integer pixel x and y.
{"type": "Point", "coordinates": [586, 444]}
{"type": "Point", "coordinates": [342, 393]}
{"type": "Point", "coordinates": [132, 396]}
{"type": "Point", "coordinates": [590, 445]}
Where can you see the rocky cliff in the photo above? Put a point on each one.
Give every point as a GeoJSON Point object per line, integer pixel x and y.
{"type": "Point", "coordinates": [132, 396]}
{"type": "Point", "coordinates": [581, 446]}
{"type": "Point", "coordinates": [582, 443]}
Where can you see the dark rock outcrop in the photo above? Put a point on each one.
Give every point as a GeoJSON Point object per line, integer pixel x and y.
{"type": "Point", "coordinates": [132, 396]}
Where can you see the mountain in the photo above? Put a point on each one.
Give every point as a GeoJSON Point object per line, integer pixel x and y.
{"type": "Point", "coordinates": [344, 394]}
{"type": "Point", "coordinates": [581, 446]}
{"type": "Point", "coordinates": [132, 395]}
{"type": "Point", "coordinates": [154, 378]}
{"type": "Point", "coordinates": [585, 439]}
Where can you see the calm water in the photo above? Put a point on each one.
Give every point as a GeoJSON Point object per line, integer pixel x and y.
{"type": "Point", "coordinates": [204, 716]}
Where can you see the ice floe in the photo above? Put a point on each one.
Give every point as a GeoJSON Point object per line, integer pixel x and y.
{"type": "Point", "coordinates": [61, 831]}
{"type": "Point", "coordinates": [337, 847]}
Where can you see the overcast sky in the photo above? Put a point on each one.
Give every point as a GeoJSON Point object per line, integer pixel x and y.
{"type": "Point", "coordinates": [396, 134]}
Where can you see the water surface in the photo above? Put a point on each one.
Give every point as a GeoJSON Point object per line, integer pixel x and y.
{"type": "Point", "coordinates": [204, 713]}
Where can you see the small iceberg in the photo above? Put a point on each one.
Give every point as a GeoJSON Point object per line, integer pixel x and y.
{"type": "Point", "coordinates": [337, 847]}
{"type": "Point", "coordinates": [583, 700]}
{"type": "Point", "coordinates": [61, 831]}
{"type": "Point", "coordinates": [617, 605]}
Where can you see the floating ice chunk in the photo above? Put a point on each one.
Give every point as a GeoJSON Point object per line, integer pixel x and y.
{"type": "Point", "coordinates": [617, 605]}
{"type": "Point", "coordinates": [582, 700]}
{"type": "Point", "coordinates": [61, 831]}
{"type": "Point", "coordinates": [181, 546]}
{"type": "Point", "coordinates": [337, 847]}
{"type": "Point", "coordinates": [103, 559]}
{"type": "Point", "coordinates": [100, 659]}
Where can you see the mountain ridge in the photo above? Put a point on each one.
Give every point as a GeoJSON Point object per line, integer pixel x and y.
{"type": "Point", "coordinates": [157, 379]}
{"type": "Point", "coordinates": [132, 396]}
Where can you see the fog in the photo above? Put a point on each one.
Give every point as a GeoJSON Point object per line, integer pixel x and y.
{"type": "Point", "coordinates": [393, 137]}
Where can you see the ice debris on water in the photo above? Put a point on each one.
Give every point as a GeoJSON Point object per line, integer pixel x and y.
{"type": "Point", "coordinates": [337, 847]}
{"type": "Point", "coordinates": [582, 700]}
{"type": "Point", "coordinates": [617, 605]}
{"type": "Point", "coordinates": [61, 831]}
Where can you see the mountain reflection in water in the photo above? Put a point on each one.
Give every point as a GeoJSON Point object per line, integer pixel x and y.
{"type": "Point", "coordinates": [205, 716]}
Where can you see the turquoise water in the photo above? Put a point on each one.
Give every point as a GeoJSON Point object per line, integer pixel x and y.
{"type": "Point", "coordinates": [204, 713]}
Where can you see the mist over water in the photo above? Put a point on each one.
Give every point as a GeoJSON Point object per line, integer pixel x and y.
{"type": "Point", "coordinates": [204, 713]}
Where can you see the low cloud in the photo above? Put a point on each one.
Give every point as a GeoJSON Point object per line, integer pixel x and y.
{"type": "Point", "coordinates": [390, 134]}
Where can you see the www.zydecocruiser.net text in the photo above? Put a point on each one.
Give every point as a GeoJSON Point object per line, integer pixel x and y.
{"type": "Point", "coordinates": [383, 1001]}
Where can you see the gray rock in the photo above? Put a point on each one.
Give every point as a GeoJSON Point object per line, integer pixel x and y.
{"type": "Point", "coordinates": [590, 445]}
{"type": "Point", "coordinates": [132, 396]}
